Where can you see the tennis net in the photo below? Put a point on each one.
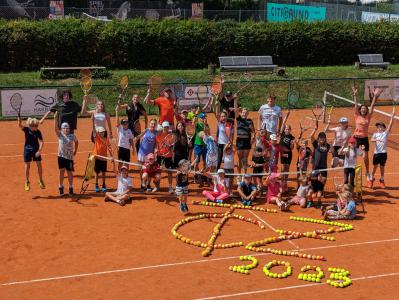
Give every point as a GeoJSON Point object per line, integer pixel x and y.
{"type": "Point", "coordinates": [345, 107]}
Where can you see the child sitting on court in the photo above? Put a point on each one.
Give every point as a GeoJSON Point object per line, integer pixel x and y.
{"type": "Point", "coordinates": [274, 191]}
{"type": "Point", "coordinates": [32, 149]}
{"type": "Point", "coordinates": [67, 148]}
{"type": "Point", "coordinates": [380, 138]}
{"type": "Point", "coordinates": [122, 194]}
{"type": "Point", "coordinates": [219, 193]}
{"type": "Point", "coordinates": [316, 188]}
{"type": "Point", "coordinates": [101, 148]}
{"type": "Point", "coordinates": [150, 169]}
{"type": "Point", "coordinates": [302, 194]}
{"type": "Point", "coordinates": [247, 190]}
{"type": "Point", "coordinates": [341, 202]}
{"type": "Point", "coordinates": [348, 212]}
{"type": "Point", "coordinates": [182, 184]}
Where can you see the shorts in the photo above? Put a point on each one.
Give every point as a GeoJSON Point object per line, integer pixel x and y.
{"type": "Point", "coordinates": [151, 174]}
{"type": "Point", "coordinates": [181, 190]}
{"type": "Point", "coordinates": [30, 155]}
{"type": "Point", "coordinates": [335, 150]}
{"type": "Point", "coordinates": [380, 159]}
{"type": "Point", "coordinates": [166, 161]}
{"type": "Point", "coordinates": [363, 141]}
{"type": "Point", "coordinates": [100, 166]}
{"type": "Point", "coordinates": [243, 143]}
{"type": "Point", "coordinates": [124, 154]}
{"type": "Point", "coordinates": [200, 151]}
{"type": "Point", "coordinates": [64, 163]}
{"type": "Point", "coordinates": [286, 160]}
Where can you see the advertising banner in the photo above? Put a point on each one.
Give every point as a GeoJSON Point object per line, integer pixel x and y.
{"type": "Point", "coordinates": [277, 12]}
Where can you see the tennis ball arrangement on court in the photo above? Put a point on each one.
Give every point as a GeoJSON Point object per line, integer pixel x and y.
{"type": "Point", "coordinates": [245, 268]}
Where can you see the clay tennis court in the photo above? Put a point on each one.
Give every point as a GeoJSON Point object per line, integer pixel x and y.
{"type": "Point", "coordinates": [54, 248]}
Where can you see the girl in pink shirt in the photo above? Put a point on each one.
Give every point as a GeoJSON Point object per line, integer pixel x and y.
{"type": "Point", "coordinates": [363, 116]}
{"type": "Point", "coordinates": [274, 191]}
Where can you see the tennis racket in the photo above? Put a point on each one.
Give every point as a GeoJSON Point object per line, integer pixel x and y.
{"type": "Point", "coordinates": [155, 84]}
{"type": "Point", "coordinates": [190, 132]}
{"type": "Point", "coordinates": [16, 103]}
{"type": "Point", "coordinates": [202, 92]}
{"type": "Point", "coordinates": [395, 96]}
{"type": "Point", "coordinates": [166, 146]}
{"type": "Point", "coordinates": [318, 109]}
{"type": "Point", "coordinates": [86, 84]}
{"type": "Point", "coordinates": [139, 126]}
{"type": "Point", "coordinates": [292, 98]}
{"type": "Point", "coordinates": [84, 73]}
{"type": "Point", "coordinates": [338, 182]}
{"type": "Point", "coordinates": [244, 81]}
{"type": "Point", "coordinates": [216, 85]}
{"type": "Point", "coordinates": [306, 123]}
{"type": "Point", "coordinates": [122, 86]}
{"type": "Point", "coordinates": [91, 101]}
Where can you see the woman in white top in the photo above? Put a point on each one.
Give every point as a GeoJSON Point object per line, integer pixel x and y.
{"type": "Point", "coordinates": [224, 135]}
{"type": "Point", "coordinates": [341, 135]}
{"type": "Point", "coordinates": [100, 118]}
{"type": "Point", "coordinates": [270, 116]}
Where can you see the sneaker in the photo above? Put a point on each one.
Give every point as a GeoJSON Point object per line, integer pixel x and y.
{"type": "Point", "coordinates": [155, 189]}
{"type": "Point", "coordinates": [238, 180]}
{"type": "Point", "coordinates": [122, 202]}
{"type": "Point", "coordinates": [182, 208]}
{"type": "Point", "coordinates": [170, 190]}
{"type": "Point", "coordinates": [97, 188]}
{"type": "Point", "coordinates": [249, 202]}
{"type": "Point", "coordinates": [244, 202]}
{"type": "Point", "coordinates": [70, 191]}
{"type": "Point", "coordinates": [219, 201]}
{"type": "Point", "coordinates": [382, 184]}
{"type": "Point", "coordinates": [309, 204]}
{"type": "Point", "coordinates": [104, 189]}
{"type": "Point", "coordinates": [185, 207]}
{"type": "Point", "coordinates": [142, 189]}
{"type": "Point", "coordinates": [149, 189]}
{"type": "Point", "coordinates": [27, 186]}
{"type": "Point", "coordinates": [370, 183]}
{"type": "Point", "coordinates": [41, 184]}
{"type": "Point", "coordinates": [61, 189]}
{"type": "Point", "coordinates": [318, 205]}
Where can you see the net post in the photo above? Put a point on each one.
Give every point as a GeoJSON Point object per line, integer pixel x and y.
{"type": "Point", "coordinates": [324, 106]}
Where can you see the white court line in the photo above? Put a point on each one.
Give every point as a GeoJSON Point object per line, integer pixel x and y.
{"type": "Point", "coordinates": [44, 154]}
{"type": "Point", "coordinates": [55, 142]}
{"type": "Point", "coordinates": [178, 264]}
{"type": "Point", "coordinates": [271, 227]}
{"type": "Point", "coordinates": [294, 287]}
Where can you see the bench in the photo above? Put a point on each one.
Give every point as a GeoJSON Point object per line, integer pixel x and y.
{"type": "Point", "coordinates": [371, 61]}
{"type": "Point", "coordinates": [246, 63]}
{"type": "Point", "coordinates": [53, 72]}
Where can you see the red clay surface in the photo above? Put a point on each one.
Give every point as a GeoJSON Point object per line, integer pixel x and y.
{"type": "Point", "coordinates": [52, 248]}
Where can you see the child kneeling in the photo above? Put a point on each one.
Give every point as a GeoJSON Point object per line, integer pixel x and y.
{"type": "Point", "coordinates": [150, 169]}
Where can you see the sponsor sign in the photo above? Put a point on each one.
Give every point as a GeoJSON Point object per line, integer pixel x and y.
{"type": "Point", "coordinates": [278, 12]}
{"type": "Point", "coordinates": [34, 102]}
{"type": "Point", "coordinates": [370, 17]}
{"type": "Point", "coordinates": [390, 89]}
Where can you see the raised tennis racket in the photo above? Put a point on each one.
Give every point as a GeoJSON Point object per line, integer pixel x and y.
{"type": "Point", "coordinates": [139, 126]}
{"type": "Point", "coordinates": [338, 181]}
{"type": "Point", "coordinates": [216, 86]}
{"type": "Point", "coordinates": [306, 123]}
{"type": "Point", "coordinates": [16, 103]}
{"type": "Point", "coordinates": [202, 92]}
{"type": "Point", "coordinates": [395, 96]}
{"type": "Point", "coordinates": [122, 86]}
{"type": "Point", "coordinates": [155, 84]}
{"type": "Point", "coordinates": [318, 109]}
{"type": "Point", "coordinates": [292, 98]}
{"type": "Point", "coordinates": [86, 84]}
{"type": "Point", "coordinates": [166, 145]}
{"type": "Point", "coordinates": [190, 132]}
{"type": "Point", "coordinates": [244, 81]}
{"type": "Point", "coordinates": [92, 101]}
{"type": "Point", "coordinates": [84, 73]}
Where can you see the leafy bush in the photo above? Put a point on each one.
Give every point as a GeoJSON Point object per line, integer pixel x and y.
{"type": "Point", "coordinates": [141, 44]}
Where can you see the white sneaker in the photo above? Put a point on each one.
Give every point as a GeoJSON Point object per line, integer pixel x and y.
{"type": "Point", "coordinates": [155, 189]}
{"type": "Point", "coordinates": [170, 190]}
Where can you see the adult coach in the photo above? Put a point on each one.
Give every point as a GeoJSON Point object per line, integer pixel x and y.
{"type": "Point", "coordinates": [134, 110]}
{"type": "Point", "coordinates": [67, 110]}
{"type": "Point", "coordinates": [227, 104]}
{"type": "Point", "coordinates": [166, 104]}
{"type": "Point", "coordinates": [270, 116]}
{"type": "Point", "coordinates": [363, 116]}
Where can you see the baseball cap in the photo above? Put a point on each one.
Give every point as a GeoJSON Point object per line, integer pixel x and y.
{"type": "Point", "coordinates": [64, 125]}
{"type": "Point", "coordinates": [165, 124]}
{"type": "Point", "coordinates": [220, 171]}
{"type": "Point", "coordinates": [314, 173]}
{"type": "Point", "coordinates": [273, 137]}
{"type": "Point", "coordinates": [159, 127]}
{"type": "Point", "coordinates": [124, 121]}
{"type": "Point", "coordinates": [352, 140]}
{"type": "Point", "coordinates": [100, 129]}
{"type": "Point", "coordinates": [247, 175]}
{"type": "Point", "coordinates": [228, 93]}
{"type": "Point", "coordinates": [343, 120]}
{"type": "Point", "coordinates": [124, 167]}
{"type": "Point", "coordinates": [202, 116]}
{"type": "Point", "coordinates": [184, 111]}
{"type": "Point", "coordinates": [150, 156]}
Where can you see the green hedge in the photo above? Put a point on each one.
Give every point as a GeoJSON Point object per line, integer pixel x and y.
{"type": "Point", "coordinates": [29, 45]}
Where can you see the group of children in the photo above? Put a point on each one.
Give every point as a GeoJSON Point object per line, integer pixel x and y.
{"type": "Point", "coordinates": [218, 156]}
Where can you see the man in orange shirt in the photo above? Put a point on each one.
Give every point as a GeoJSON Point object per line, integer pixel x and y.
{"type": "Point", "coordinates": [166, 105]}
{"type": "Point", "coordinates": [101, 147]}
